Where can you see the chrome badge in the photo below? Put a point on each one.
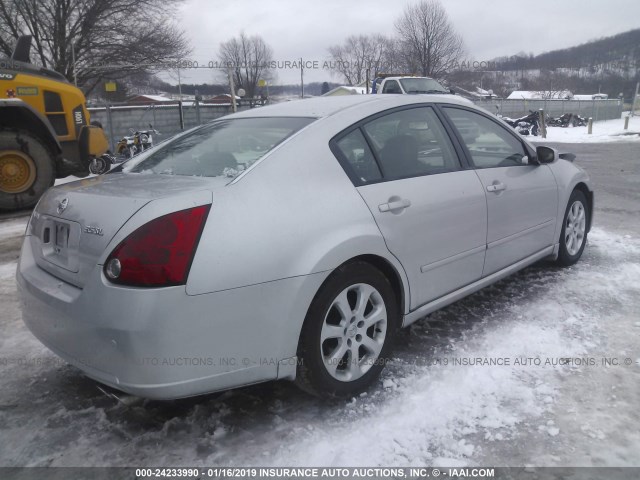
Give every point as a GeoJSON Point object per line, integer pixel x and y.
{"type": "Point", "coordinates": [62, 205]}
{"type": "Point", "coordinates": [93, 230]}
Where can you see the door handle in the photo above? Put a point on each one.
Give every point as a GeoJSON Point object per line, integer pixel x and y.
{"type": "Point", "coordinates": [496, 187]}
{"type": "Point", "coordinates": [395, 205]}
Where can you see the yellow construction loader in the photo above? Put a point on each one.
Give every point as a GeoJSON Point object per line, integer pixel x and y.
{"type": "Point", "coordinates": [45, 130]}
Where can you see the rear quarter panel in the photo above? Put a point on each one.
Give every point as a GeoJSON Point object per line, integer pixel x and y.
{"type": "Point", "coordinates": [295, 213]}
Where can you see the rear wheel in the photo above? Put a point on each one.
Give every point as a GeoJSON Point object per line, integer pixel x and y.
{"type": "Point", "coordinates": [27, 169]}
{"type": "Point", "coordinates": [348, 333]}
{"type": "Point", "coordinates": [573, 237]}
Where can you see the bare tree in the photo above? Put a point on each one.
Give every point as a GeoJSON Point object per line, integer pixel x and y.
{"type": "Point", "coordinates": [104, 35]}
{"type": "Point", "coordinates": [428, 43]}
{"type": "Point", "coordinates": [359, 54]}
{"type": "Point", "coordinates": [249, 59]}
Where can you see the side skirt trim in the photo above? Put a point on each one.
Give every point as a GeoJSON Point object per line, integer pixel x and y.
{"type": "Point", "coordinates": [452, 297]}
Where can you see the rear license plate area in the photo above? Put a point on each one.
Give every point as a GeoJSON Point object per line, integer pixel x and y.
{"type": "Point", "coordinates": [59, 241]}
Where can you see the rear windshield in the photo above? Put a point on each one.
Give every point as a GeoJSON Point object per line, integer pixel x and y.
{"type": "Point", "coordinates": [222, 148]}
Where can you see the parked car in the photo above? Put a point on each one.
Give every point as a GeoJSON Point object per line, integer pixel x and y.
{"type": "Point", "coordinates": [291, 242]}
{"type": "Point", "coordinates": [407, 84]}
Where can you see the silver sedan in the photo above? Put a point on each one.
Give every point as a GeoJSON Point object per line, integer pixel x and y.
{"type": "Point", "coordinates": [291, 242]}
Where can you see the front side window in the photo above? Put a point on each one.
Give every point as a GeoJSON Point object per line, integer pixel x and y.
{"type": "Point", "coordinates": [410, 143]}
{"type": "Point", "coordinates": [222, 148]}
{"type": "Point", "coordinates": [489, 144]}
{"type": "Point", "coordinates": [391, 86]}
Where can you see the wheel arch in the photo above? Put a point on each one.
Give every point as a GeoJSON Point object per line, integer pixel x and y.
{"type": "Point", "coordinates": [398, 283]}
{"type": "Point", "coordinates": [391, 273]}
{"type": "Point", "coordinates": [582, 187]}
{"type": "Point", "coordinates": [17, 115]}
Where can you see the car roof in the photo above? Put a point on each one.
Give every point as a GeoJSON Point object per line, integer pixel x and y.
{"type": "Point", "coordinates": [401, 77]}
{"type": "Point", "coordinates": [321, 107]}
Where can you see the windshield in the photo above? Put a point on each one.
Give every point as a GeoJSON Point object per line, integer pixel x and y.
{"type": "Point", "coordinates": [422, 85]}
{"type": "Point", "coordinates": [222, 148]}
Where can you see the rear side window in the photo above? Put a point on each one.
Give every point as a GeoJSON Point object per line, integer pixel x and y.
{"type": "Point", "coordinates": [357, 155]}
{"type": "Point", "coordinates": [222, 148]}
{"type": "Point", "coordinates": [490, 144]}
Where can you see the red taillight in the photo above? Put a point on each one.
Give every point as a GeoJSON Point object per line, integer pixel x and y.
{"type": "Point", "coordinates": [159, 253]}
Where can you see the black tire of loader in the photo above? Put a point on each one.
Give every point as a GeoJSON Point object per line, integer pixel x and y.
{"type": "Point", "coordinates": [44, 161]}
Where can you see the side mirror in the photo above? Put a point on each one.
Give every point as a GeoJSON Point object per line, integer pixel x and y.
{"type": "Point", "coordinates": [452, 91]}
{"type": "Point", "coordinates": [546, 154]}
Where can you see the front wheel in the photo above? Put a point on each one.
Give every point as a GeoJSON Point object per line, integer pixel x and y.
{"type": "Point", "coordinates": [100, 165]}
{"type": "Point", "coordinates": [348, 332]}
{"type": "Point", "coordinates": [573, 237]}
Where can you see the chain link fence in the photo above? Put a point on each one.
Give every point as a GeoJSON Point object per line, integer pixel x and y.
{"type": "Point", "coordinates": [168, 119]}
{"type": "Point", "coordinates": [514, 108]}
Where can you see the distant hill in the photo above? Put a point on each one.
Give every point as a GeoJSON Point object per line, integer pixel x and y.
{"type": "Point", "coordinates": [608, 65]}
{"type": "Point", "coordinates": [617, 54]}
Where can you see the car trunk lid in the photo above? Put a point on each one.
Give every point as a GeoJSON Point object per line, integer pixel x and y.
{"type": "Point", "coordinates": [74, 223]}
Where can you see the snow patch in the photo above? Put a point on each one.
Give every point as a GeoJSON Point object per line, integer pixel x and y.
{"type": "Point", "coordinates": [8, 270]}
{"type": "Point", "coordinates": [603, 131]}
{"type": "Point", "coordinates": [13, 227]}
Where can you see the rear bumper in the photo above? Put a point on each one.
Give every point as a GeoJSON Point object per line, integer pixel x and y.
{"type": "Point", "coordinates": [163, 343]}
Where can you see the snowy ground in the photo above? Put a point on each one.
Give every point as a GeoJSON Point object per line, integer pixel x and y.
{"type": "Point", "coordinates": [427, 408]}
{"type": "Point", "coordinates": [604, 131]}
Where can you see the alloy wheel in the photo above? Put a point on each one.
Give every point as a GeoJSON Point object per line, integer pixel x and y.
{"type": "Point", "coordinates": [575, 226]}
{"type": "Point", "coordinates": [353, 332]}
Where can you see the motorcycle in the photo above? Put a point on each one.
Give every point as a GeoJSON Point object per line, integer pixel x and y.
{"type": "Point", "coordinates": [137, 142]}
{"type": "Point", "coordinates": [128, 147]}
{"type": "Point", "coordinates": [568, 120]}
{"type": "Point", "coordinates": [527, 125]}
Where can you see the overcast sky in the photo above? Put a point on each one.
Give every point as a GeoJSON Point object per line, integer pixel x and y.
{"type": "Point", "coordinates": [302, 28]}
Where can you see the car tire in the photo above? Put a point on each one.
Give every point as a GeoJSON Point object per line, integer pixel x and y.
{"type": "Point", "coordinates": [573, 236]}
{"type": "Point", "coordinates": [348, 332]}
{"type": "Point", "coordinates": [27, 166]}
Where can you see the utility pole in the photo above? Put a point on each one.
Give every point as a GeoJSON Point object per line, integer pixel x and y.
{"type": "Point", "coordinates": [635, 98]}
{"type": "Point", "coordinates": [233, 91]}
{"type": "Point", "coordinates": [301, 79]}
{"type": "Point", "coordinates": [180, 111]}
{"type": "Point", "coordinates": [73, 61]}
{"type": "Point", "coordinates": [179, 85]}
{"type": "Point", "coordinates": [367, 82]}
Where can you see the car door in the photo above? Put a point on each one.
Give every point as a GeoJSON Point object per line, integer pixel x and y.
{"type": "Point", "coordinates": [522, 198]}
{"type": "Point", "coordinates": [431, 212]}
